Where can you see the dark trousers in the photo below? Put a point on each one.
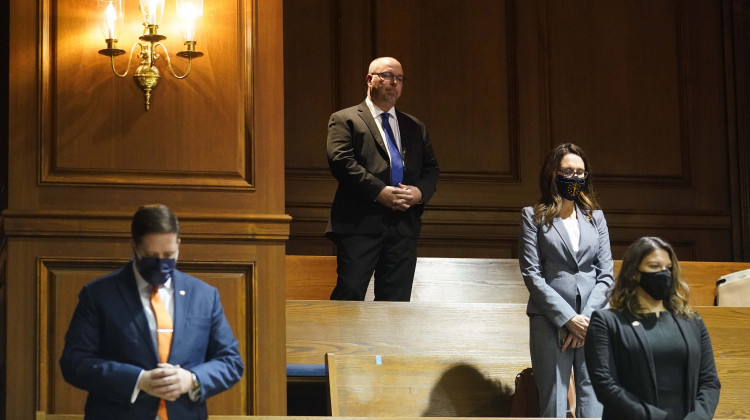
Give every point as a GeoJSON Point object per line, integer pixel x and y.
{"type": "Point", "coordinates": [391, 256]}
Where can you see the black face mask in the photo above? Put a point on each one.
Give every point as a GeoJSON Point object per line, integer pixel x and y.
{"type": "Point", "coordinates": [658, 285]}
{"type": "Point", "coordinates": [570, 187]}
{"type": "Point", "coordinates": [156, 271]}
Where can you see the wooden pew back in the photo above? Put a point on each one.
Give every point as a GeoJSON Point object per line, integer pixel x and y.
{"type": "Point", "coordinates": [427, 386]}
{"type": "Point", "coordinates": [315, 328]}
{"type": "Point", "coordinates": [478, 280]}
{"type": "Point", "coordinates": [477, 331]}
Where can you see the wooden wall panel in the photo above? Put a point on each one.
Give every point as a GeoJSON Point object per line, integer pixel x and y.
{"type": "Point", "coordinates": [469, 110]}
{"type": "Point", "coordinates": [3, 325]}
{"type": "Point", "coordinates": [84, 154]}
{"type": "Point", "coordinates": [736, 35]}
{"type": "Point", "coordinates": [640, 86]}
{"type": "Point", "coordinates": [62, 279]}
{"type": "Point", "coordinates": [98, 131]}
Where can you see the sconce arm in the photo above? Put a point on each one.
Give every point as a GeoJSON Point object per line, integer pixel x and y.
{"type": "Point", "coordinates": [169, 62]}
{"type": "Point", "coordinates": [127, 69]}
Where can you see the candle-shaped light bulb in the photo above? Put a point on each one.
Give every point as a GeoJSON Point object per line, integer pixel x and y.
{"type": "Point", "coordinates": [189, 13]}
{"type": "Point", "coordinates": [111, 17]}
{"type": "Point", "coordinates": [152, 11]}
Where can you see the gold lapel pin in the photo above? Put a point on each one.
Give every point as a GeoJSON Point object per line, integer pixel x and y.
{"type": "Point", "coordinates": [636, 323]}
{"type": "Point", "coordinates": [182, 293]}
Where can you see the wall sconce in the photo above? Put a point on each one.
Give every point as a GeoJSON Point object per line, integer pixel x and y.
{"type": "Point", "coordinates": [146, 74]}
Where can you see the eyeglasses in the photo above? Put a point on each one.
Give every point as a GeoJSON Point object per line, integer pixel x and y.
{"type": "Point", "coordinates": [389, 77]}
{"type": "Point", "coordinates": [569, 172]}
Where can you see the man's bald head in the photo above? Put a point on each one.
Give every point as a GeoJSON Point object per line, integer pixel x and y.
{"type": "Point", "coordinates": [384, 82]}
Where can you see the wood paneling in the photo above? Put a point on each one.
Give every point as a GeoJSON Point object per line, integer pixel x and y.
{"type": "Point", "coordinates": [643, 88]}
{"type": "Point", "coordinates": [109, 139]}
{"type": "Point", "coordinates": [85, 154]}
{"type": "Point", "coordinates": [62, 279]}
{"type": "Point", "coordinates": [736, 35]}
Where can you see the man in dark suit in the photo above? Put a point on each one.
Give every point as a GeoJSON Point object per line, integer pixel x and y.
{"type": "Point", "coordinates": [387, 172]}
{"type": "Point", "coordinates": [148, 341]}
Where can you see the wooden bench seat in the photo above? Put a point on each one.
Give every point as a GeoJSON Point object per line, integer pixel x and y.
{"type": "Point", "coordinates": [478, 280]}
{"type": "Point", "coordinates": [41, 416]}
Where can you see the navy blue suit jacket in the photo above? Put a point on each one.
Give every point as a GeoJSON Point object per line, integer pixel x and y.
{"type": "Point", "coordinates": [108, 343]}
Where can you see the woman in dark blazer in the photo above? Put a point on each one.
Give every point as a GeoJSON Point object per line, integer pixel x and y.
{"type": "Point", "coordinates": [650, 356]}
{"type": "Point", "coordinates": [566, 264]}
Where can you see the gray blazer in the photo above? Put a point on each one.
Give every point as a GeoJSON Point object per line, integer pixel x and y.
{"type": "Point", "coordinates": [554, 274]}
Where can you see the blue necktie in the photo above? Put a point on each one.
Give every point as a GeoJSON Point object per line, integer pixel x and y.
{"type": "Point", "coordinates": [397, 165]}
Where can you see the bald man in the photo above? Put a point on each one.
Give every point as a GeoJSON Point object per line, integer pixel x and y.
{"type": "Point", "coordinates": [387, 172]}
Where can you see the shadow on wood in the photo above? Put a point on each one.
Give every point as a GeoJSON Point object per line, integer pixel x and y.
{"type": "Point", "coordinates": [429, 385]}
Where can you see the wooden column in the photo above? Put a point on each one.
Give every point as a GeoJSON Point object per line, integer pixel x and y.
{"type": "Point", "coordinates": [84, 155]}
{"type": "Point", "coordinates": [737, 49]}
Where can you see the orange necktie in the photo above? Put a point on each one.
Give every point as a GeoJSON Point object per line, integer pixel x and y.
{"type": "Point", "coordinates": [164, 329]}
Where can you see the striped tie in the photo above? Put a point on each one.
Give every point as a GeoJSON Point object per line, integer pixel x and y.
{"type": "Point", "coordinates": [164, 329]}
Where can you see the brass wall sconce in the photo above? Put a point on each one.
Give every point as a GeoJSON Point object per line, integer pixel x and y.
{"type": "Point", "coordinates": [146, 75]}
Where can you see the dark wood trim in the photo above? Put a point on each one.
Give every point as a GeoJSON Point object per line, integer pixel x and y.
{"type": "Point", "coordinates": [116, 225]}
{"type": "Point", "coordinates": [738, 99]}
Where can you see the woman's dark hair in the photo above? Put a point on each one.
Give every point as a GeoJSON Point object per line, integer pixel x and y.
{"type": "Point", "coordinates": [153, 218]}
{"type": "Point", "coordinates": [623, 295]}
{"type": "Point", "coordinates": [550, 203]}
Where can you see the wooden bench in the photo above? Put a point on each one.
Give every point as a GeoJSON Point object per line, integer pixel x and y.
{"type": "Point", "coordinates": [315, 328]}
{"type": "Point", "coordinates": [477, 331]}
{"type": "Point", "coordinates": [477, 280]}
{"type": "Point", "coordinates": [41, 416]}
{"type": "Point", "coordinates": [427, 386]}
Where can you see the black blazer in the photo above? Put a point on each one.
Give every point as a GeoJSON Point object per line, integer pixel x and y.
{"type": "Point", "coordinates": [358, 158]}
{"type": "Point", "coordinates": [621, 367]}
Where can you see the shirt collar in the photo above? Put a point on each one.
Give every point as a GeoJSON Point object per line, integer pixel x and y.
{"type": "Point", "coordinates": [375, 111]}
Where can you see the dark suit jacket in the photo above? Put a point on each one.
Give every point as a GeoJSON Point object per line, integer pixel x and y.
{"type": "Point", "coordinates": [622, 371]}
{"type": "Point", "coordinates": [358, 158]}
{"type": "Point", "coordinates": [108, 343]}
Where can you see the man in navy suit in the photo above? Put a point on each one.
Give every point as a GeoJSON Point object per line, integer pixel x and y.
{"type": "Point", "coordinates": [117, 336]}
{"type": "Point", "coordinates": [387, 172]}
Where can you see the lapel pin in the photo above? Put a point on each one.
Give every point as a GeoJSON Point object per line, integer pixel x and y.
{"type": "Point", "coordinates": [182, 293]}
{"type": "Point", "coordinates": [636, 323]}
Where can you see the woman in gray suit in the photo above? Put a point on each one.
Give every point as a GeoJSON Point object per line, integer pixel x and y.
{"type": "Point", "coordinates": [566, 264]}
{"type": "Point", "coordinates": [650, 356]}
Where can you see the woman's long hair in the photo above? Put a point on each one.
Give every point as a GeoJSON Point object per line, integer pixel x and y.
{"type": "Point", "coordinates": [550, 203]}
{"type": "Point", "coordinates": [623, 294]}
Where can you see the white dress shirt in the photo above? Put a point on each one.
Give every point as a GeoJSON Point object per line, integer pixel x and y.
{"type": "Point", "coordinates": [574, 231]}
{"type": "Point", "coordinates": [392, 120]}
